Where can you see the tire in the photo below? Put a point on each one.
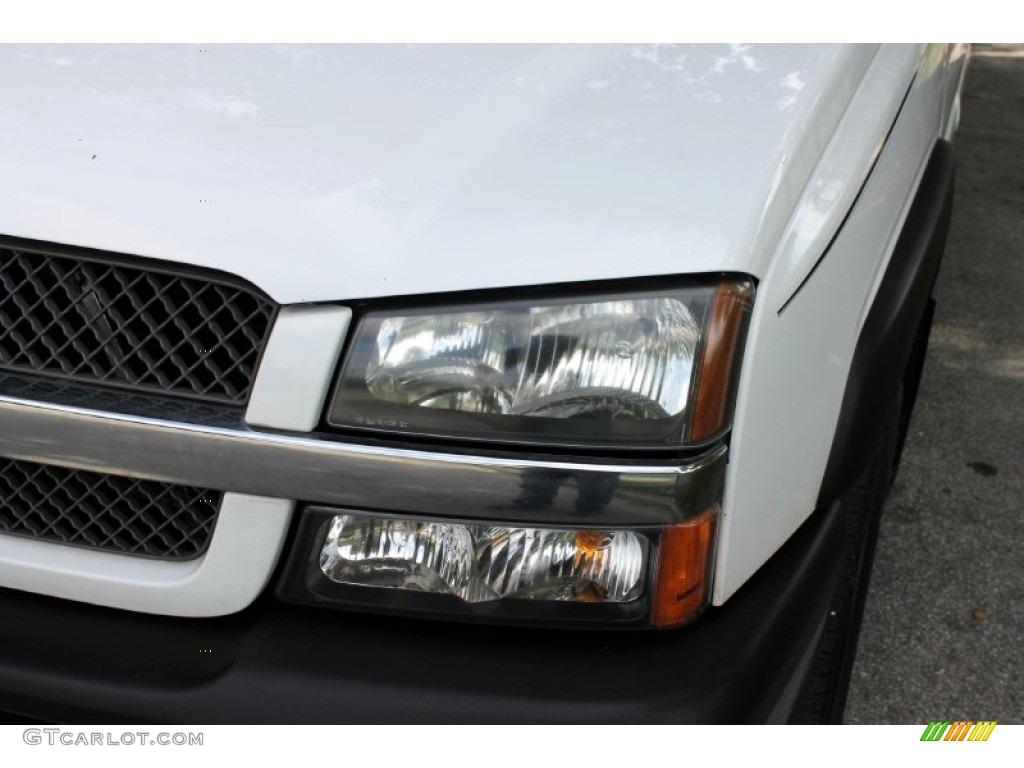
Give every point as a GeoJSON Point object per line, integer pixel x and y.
{"type": "Point", "coordinates": [822, 697]}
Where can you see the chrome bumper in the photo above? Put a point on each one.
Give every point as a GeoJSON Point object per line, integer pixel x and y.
{"type": "Point", "coordinates": [327, 471]}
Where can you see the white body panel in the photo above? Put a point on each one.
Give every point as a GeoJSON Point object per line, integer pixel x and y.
{"type": "Point", "coordinates": [797, 363]}
{"type": "Point", "coordinates": [338, 174]}
{"type": "Point", "coordinates": [234, 570]}
{"type": "Point", "coordinates": [295, 372]}
{"type": "Point", "coordinates": [352, 172]}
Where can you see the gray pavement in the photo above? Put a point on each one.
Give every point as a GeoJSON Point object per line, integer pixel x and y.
{"type": "Point", "coordinates": [943, 634]}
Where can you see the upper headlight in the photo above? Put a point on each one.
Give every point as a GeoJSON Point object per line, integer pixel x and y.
{"type": "Point", "coordinates": [609, 370]}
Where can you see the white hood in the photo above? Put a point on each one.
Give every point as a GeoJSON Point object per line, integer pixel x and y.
{"type": "Point", "coordinates": [345, 172]}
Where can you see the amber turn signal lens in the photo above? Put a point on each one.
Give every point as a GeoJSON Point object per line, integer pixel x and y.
{"type": "Point", "coordinates": [684, 572]}
{"type": "Point", "coordinates": [726, 331]}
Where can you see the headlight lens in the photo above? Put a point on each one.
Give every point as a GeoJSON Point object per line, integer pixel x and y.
{"type": "Point", "coordinates": [614, 369]}
{"type": "Point", "coordinates": [478, 563]}
{"type": "Point", "coordinates": [639, 576]}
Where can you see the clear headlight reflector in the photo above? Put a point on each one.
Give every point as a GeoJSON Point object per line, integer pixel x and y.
{"type": "Point", "coordinates": [619, 369]}
{"type": "Point", "coordinates": [648, 576]}
{"type": "Point", "coordinates": [478, 563]}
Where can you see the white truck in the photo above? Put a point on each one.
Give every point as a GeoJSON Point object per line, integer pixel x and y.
{"type": "Point", "coordinates": [456, 383]}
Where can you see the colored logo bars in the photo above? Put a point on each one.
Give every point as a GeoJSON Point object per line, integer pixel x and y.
{"type": "Point", "coordinates": [959, 730]}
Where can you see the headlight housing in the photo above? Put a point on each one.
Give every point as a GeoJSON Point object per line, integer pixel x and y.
{"type": "Point", "coordinates": [653, 367]}
{"type": "Point", "coordinates": [643, 576]}
{"type": "Point", "coordinates": [647, 368]}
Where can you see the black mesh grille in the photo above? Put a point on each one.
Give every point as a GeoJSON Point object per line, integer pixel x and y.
{"type": "Point", "coordinates": [108, 512]}
{"type": "Point", "coordinates": [142, 329]}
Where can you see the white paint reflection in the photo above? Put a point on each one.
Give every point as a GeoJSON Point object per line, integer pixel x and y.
{"type": "Point", "coordinates": [227, 106]}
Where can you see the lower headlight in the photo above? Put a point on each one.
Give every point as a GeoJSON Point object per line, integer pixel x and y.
{"type": "Point", "coordinates": [656, 575]}
{"type": "Point", "coordinates": [484, 562]}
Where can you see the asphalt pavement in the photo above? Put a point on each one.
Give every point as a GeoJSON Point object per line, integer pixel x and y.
{"type": "Point", "coordinates": [943, 633]}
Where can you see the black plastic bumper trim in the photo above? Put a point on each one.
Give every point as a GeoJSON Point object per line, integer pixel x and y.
{"type": "Point", "coordinates": [887, 340]}
{"type": "Point", "coordinates": [68, 662]}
